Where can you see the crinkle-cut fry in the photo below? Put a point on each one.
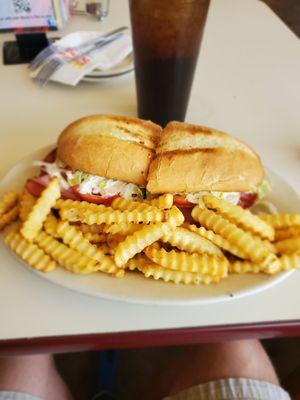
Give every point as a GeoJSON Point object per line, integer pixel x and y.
{"type": "Point", "coordinates": [279, 221]}
{"type": "Point", "coordinates": [130, 205]}
{"type": "Point", "coordinates": [112, 244]}
{"type": "Point", "coordinates": [117, 237]}
{"type": "Point", "coordinates": [78, 204]}
{"type": "Point", "coordinates": [218, 240]}
{"type": "Point", "coordinates": [29, 252]}
{"type": "Point", "coordinates": [27, 201]}
{"type": "Point", "coordinates": [74, 238]}
{"type": "Point", "coordinates": [168, 275]}
{"type": "Point", "coordinates": [66, 257]}
{"type": "Point", "coordinates": [138, 241]}
{"type": "Point", "coordinates": [8, 217]}
{"type": "Point", "coordinates": [288, 246]}
{"type": "Point", "coordinates": [270, 246]}
{"type": "Point", "coordinates": [137, 262]}
{"type": "Point", "coordinates": [244, 267]}
{"type": "Point", "coordinates": [182, 261]}
{"type": "Point", "coordinates": [255, 249]}
{"type": "Point", "coordinates": [50, 225]}
{"type": "Point", "coordinates": [34, 222]}
{"type": "Point", "coordinates": [240, 217]}
{"type": "Point", "coordinates": [264, 242]}
{"type": "Point", "coordinates": [290, 261]}
{"type": "Point", "coordinates": [110, 216]}
{"type": "Point", "coordinates": [163, 202]}
{"type": "Point", "coordinates": [123, 229]}
{"type": "Point", "coordinates": [95, 237]}
{"type": "Point", "coordinates": [191, 242]}
{"type": "Point", "coordinates": [104, 247]}
{"type": "Point", "coordinates": [174, 216]}
{"type": "Point", "coordinates": [91, 228]}
{"type": "Point", "coordinates": [287, 233]}
{"type": "Point", "coordinates": [59, 203]}
{"type": "Point", "coordinates": [8, 201]}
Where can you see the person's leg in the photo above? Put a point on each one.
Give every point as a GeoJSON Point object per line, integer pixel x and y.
{"type": "Point", "coordinates": [35, 375]}
{"type": "Point", "coordinates": [193, 365]}
{"type": "Point", "coordinates": [210, 362]}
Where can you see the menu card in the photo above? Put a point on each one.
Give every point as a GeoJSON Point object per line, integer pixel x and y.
{"type": "Point", "coordinates": [18, 15]}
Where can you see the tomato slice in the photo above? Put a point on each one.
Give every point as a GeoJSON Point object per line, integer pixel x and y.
{"type": "Point", "coordinates": [34, 187]}
{"type": "Point", "coordinates": [51, 157]}
{"type": "Point", "coordinates": [181, 201]}
{"type": "Point", "coordinates": [94, 198]}
{"type": "Point", "coordinates": [37, 185]}
{"type": "Point", "coordinates": [247, 200]}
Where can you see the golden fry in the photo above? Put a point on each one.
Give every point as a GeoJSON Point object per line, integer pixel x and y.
{"type": "Point", "coordinates": [91, 228]}
{"type": "Point", "coordinates": [77, 204]}
{"type": "Point", "coordinates": [130, 205]}
{"type": "Point", "coordinates": [110, 216]}
{"type": "Point", "coordinates": [168, 275]}
{"type": "Point", "coordinates": [255, 249]}
{"type": "Point", "coordinates": [244, 267]}
{"type": "Point", "coordinates": [270, 246]}
{"type": "Point", "coordinates": [123, 229]}
{"type": "Point", "coordinates": [191, 242]}
{"type": "Point", "coordinates": [279, 221]}
{"type": "Point", "coordinates": [7, 202]}
{"type": "Point", "coordinates": [290, 261]}
{"type": "Point", "coordinates": [8, 217]}
{"type": "Point", "coordinates": [104, 247]}
{"type": "Point", "coordinates": [95, 237]}
{"type": "Point", "coordinates": [66, 257]}
{"type": "Point", "coordinates": [240, 217]}
{"type": "Point", "coordinates": [218, 240]}
{"type": "Point", "coordinates": [287, 233]}
{"type": "Point", "coordinates": [73, 237]}
{"type": "Point", "coordinates": [112, 244]}
{"type": "Point", "coordinates": [288, 246]}
{"type": "Point", "coordinates": [34, 222]}
{"type": "Point", "coordinates": [174, 216]}
{"type": "Point", "coordinates": [29, 252]}
{"type": "Point", "coordinates": [138, 262]}
{"type": "Point", "coordinates": [181, 261]}
{"type": "Point", "coordinates": [163, 202]}
{"type": "Point", "coordinates": [27, 201]}
{"type": "Point", "coordinates": [138, 241]}
{"type": "Point", "coordinates": [50, 225]}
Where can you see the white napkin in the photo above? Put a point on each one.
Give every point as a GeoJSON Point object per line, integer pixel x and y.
{"type": "Point", "coordinates": [104, 58]}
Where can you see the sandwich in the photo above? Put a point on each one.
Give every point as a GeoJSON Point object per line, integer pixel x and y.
{"type": "Point", "coordinates": [191, 161]}
{"type": "Point", "coordinates": [100, 157]}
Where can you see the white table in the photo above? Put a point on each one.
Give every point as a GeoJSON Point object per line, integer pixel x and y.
{"type": "Point", "coordinates": [247, 83]}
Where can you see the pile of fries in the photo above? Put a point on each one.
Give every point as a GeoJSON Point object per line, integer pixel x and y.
{"type": "Point", "coordinates": [148, 236]}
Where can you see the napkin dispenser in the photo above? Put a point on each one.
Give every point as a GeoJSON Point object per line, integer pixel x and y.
{"type": "Point", "coordinates": [24, 48]}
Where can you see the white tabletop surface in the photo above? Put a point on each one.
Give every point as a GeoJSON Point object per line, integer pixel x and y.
{"type": "Point", "coordinates": [247, 83]}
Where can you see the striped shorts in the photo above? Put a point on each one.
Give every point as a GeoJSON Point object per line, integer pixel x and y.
{"type": "Point", "coordinates": [232, 389]}
{"type": "Point", "coordinates": [223, 389]}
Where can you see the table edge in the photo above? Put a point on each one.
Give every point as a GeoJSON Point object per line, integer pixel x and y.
{"type": "Point", "coordinates": [149, 338]}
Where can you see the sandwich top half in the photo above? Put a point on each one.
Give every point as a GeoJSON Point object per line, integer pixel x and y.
{"type": "Point", "coordinates": [193, 158]}
{"type": "Point", "coordinates": [110, 146]}
{"type": "Point", "coordinates": [108, 156]}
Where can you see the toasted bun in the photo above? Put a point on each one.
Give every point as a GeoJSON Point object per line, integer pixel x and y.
{"type": "Point", "coordinates": [194, 158]}
{"type": "Point", "coordinates": [110, 146]}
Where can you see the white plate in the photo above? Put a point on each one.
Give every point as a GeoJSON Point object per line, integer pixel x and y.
{"type": "Point", "coordinates": [123, 68]}
{"type": "Point", "coordinates": [136, 289]}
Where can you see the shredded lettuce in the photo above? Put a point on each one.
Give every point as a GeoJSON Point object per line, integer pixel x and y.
{"type": "Point", "coordinates": [263, 188]}
{"type": "Point", "coordinates": [231, 197]}
{"type": "Point", "coordinates": [88, 183]}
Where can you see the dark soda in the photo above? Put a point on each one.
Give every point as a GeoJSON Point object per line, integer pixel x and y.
{"type": "Point", "coordinates": [166, 38]}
